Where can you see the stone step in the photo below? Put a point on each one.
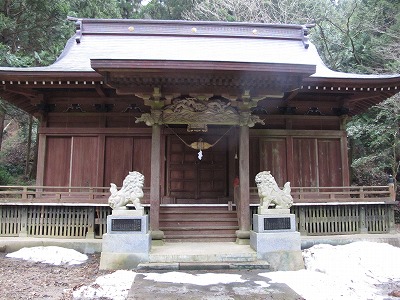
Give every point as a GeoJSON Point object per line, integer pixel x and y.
{"type": "Point", "coordinates": [247, 265]}
{"type": "Point", "coordinates": [204, 258]}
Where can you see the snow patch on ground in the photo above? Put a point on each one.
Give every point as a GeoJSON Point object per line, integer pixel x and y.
{"type": "Point", "coordinates": [343, 272]}
{"type": "Point", "coordinates": [113, 286]}
{"type": "Point", "coordinates": [50, 255]}
{"type": "Point", "coordinates": [350, 271]}
{"type": "Point", "coordinates": [200, 279]}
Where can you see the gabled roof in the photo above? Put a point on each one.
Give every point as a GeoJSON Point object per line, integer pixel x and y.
{"type": "Point", "coordinates": [149, 40]}
{"type": "Point", "coordinates": [130, 55]}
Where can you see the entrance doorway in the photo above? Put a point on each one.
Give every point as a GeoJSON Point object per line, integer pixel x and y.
{"type": "Point", "coordinates": [194, 181]}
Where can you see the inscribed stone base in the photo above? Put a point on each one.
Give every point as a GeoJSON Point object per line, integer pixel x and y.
{"type": "Point", "coordinates": [121, 261]}
{"type": "Point", "coordinates": [281, 249]}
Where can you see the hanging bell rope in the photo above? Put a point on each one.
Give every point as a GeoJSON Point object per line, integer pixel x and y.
{"type": "Point", "coordinates": [199, 145]}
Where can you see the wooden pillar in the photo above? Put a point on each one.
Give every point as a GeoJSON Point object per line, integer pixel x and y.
{"type": "Point", "coordinates": [244, 189]}
{"type": "Point", "coordinates": [40, 169]}
{"type": "Point", "coordinates": [345, 159]}
{"type": "Point", "coordinates": [156, 234]}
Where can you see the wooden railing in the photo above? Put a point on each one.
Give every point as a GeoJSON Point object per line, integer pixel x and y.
{"type": "Point", "coordinates": [56, 195]}
{"type": "Point", "coordinates": [78, 212]}
{"type": "Point", "coordinates": [350, 194]}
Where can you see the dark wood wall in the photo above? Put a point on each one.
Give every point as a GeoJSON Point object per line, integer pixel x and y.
{"type": "Point", "coordinates": [93, 160]}
{"type": "Point", "coordinates": [304, 160]}
{"type": "Point", "coordinates": [95, 155]}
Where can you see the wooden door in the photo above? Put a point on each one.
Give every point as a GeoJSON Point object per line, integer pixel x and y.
{"type": "Point", "coordinates": [189, 178]}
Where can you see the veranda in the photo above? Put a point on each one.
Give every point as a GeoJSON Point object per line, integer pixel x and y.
{"type": "Point", "coordinates": [77, 212]}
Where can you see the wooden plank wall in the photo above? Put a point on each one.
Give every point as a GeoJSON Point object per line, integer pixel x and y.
{"type": "Point", "coordinates": [91, 161]}
{"type": "Point", "coordinates": [302, 160]}
{"type": "Point", "coordinates": [57, 161]}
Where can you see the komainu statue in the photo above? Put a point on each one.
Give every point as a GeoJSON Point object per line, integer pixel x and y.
{"type": "Point", "coordinates": [270, 193]}
{"type": "Point", "coordinates": [131, 192]}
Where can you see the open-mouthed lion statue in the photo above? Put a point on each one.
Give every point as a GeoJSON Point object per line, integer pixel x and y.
{"type": "Point", "coordinates": [270, 193]}
{"type": "Point", "coordinates": [131, 192]}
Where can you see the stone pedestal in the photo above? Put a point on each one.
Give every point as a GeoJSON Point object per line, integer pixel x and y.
{"type": "Point", "coordinates": [127, 241]}
{"type": "Point", "coordinates": [276, 240]}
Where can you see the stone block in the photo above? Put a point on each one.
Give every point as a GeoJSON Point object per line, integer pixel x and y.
{"type": "Point", "coordinates": [122, 261]}
{"type": "Point", "coordinates": [281, 249]}
{"type": "Point", "coordinates": [285, 260]}
{"type": "Point", "coordinates": [274, 223]}
{"type": "Point", "coordinates": [126, 242]}
{"type": "Point", "coordinates": [276, 241]}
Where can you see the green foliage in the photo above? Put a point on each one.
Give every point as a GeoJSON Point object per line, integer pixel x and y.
{"type": "Point", "coordinates": [350, 35]}
{"type": "Point", "coordinates": [27, 26]}
{"type": "Point", "coordinates": [130, 9]}
{"type": "Point", "coordinates": [12, 155]}
{"type": "Point", "coordinates": [166, 10]}
{"type": "Point", "coordinates": [5, 176]}
{"type": "Point", "coordinates": [95, 9]}
{"type": "Point", "coordinates": [375, 139]}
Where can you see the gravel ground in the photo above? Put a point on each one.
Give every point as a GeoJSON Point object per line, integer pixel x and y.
{"type": "Point", "coordinates": [20, 279]}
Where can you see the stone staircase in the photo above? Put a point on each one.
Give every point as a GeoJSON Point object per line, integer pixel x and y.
{"type": "Point", "coordinates": [202, 256]}
{"type": "Point", "coordinates": [198, 223]}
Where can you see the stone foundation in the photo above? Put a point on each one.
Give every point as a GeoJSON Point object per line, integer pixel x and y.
{"type": "Point", "coordinates": [276, 240]}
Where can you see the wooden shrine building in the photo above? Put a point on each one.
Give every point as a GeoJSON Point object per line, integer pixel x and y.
{"type": "Point", "coordinates": [156, 96]}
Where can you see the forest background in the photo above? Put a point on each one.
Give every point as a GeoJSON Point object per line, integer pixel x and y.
{"type": "Point", "coordinates": [356, 36]}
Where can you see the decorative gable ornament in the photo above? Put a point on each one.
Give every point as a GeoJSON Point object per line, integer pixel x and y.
{"type": "Point", "coordinates": [197, 114]}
